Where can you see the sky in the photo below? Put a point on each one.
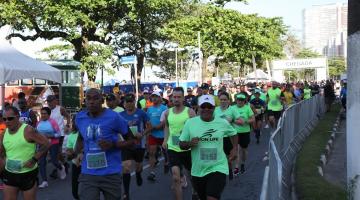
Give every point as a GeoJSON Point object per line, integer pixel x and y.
{"type": "Point", "coordinates": [290, 10]}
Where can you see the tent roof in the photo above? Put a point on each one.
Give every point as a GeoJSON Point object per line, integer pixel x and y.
{"type": "Point", "coordinates": [14, 66]}
{"type": "Point", "coordinates": [260, 75]}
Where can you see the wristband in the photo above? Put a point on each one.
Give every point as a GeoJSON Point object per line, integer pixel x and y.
{"type": "Point", "coordinates": [34, 159]}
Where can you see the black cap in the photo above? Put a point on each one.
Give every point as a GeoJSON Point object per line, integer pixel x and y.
{"type": "Point", "coordinates": [129, 97]}
{"type": "Point", "coordinates": [50, 98]}
{"type": "Point", "coordinates": [205, 86]}
{"type": "Point", "coordinates": [110, 97]}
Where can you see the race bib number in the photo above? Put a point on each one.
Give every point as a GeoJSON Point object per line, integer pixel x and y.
{"type": "Point", "coordinates": [133, 129]}
{"type": "Point", "coordinates": [96, 160]}
{"type": "Point", "coordinates": [208, 154]}
{"type": "Point", "coordinates": [13, 165]}
{"type": "Point", "coordinates": [175, 140]}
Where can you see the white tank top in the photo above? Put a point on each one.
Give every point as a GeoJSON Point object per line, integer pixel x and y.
{"type": "Point", "coordinates": [56, 115]}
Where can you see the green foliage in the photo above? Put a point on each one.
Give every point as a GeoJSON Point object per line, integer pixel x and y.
{"type": "Point", "coordinates": [58, 51]}
{"type": "Point", "coordinates": [307, 53]}
{"type": "Point", "coordinates": [306, 74]}
{"type": "Point", "coordinates": [292, 46]}
{"type": "Point", "coordinates": [337, 66]}
{"type": "Point", "coordinates": [229, 34]}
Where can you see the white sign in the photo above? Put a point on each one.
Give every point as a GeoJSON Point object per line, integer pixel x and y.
{"type": "Point", "coordinates": [299, 64]}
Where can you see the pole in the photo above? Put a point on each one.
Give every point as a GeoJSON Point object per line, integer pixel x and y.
{"type": "Point", "coordinates": [268, 68]}
{"type": "Point", "coordinates": [353, 95]}
{"type": "Point", "coordinates": [136, 80]}
{"type": "Point", "coordinates": [200, 62]}
{"type": "Point", "coordinates": [181, 69]}
{"type": "Point", "coordinates": [176, 68]}
{"type": "Point", "coordinates": [254, 67]}
{"type": "Point", "coordinates": [2, 95]}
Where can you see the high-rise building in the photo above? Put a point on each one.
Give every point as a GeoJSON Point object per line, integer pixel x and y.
{"type": "Point", "coordinates": [325, 29]}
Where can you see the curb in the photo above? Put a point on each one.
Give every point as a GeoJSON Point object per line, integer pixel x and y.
{"type": "Point", "coordinates": [329, 146]}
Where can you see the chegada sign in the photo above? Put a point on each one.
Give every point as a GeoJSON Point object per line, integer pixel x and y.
{"type": "Point", "coordinates": [298, 64]}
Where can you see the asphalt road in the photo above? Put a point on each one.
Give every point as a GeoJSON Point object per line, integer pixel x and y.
{"type": "Point", "coordinates": [244, 187]}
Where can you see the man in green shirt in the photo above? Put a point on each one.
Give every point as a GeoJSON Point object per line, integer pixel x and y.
{"type": "Point", "coordinates": [241, 116]}
{"type": "Point", "coordinates": [275, 99]}
{"type": "Point", "coordinates": [204, 136]}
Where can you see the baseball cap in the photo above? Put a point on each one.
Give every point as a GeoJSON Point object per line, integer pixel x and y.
{"type": "Point", "coordinates": [157, 93]}
{"type": "Point", "coordinates": [110, 97]}
{"type": "Point", "coordinates": [129, 97]}
{"type": "Point", "coordinates": [240, 96]}
{"type": "Point", "coordinates": [50, 98]}
{"type": "Point", "coordinates": [205, 86]}
{"type": "Point", "coordinates": [146, 92]}
{"type": "Point", "coordinates": [206, 99]}
{"type": "Point", "coordinates": [257, 91]}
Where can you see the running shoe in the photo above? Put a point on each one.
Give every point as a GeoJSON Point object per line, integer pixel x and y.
{"type": "Point", "coordinates": [184, 183]}
{"type": "Point", "coordinates": [236, 171]}
{"type": "Point", "coordinates": [62, 173]}
{"type": "Point", "coordinates": [267, 126]}
{"type": "Point", "coordinates": [242, 168]}
{"type": "Point", "coordinates": [151, 176]}
{"type": "Point", "coordinates": [139, 179]}
{"type": "Point", "coordinates": [44, 184]}
{"type": "Point", "coordinates": [126, 197]}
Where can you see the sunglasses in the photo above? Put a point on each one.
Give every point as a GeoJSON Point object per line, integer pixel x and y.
{"type": "Point", "coordinates": [207, 106]}
{"type": "Point", "coordinates": [8, 119]}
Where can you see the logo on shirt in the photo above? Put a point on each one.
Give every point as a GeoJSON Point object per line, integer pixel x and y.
{"type": "Point", "coordinates": [207, 136]}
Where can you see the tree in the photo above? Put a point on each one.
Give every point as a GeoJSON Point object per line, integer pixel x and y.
{"type": "Point", "coordinates": [139, 31]}
{"type": "Point", "coordinates": [292, 46]}
{"type": "Point", "coordinates": [228, 34]}
{"type": "Point", "coordinates": [337, 66]}
{"type": "Point", "coordinates": [79, 22]}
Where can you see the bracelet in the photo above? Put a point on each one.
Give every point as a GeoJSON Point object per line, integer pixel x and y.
{"type": "Point", "coordinates": [34, 159]}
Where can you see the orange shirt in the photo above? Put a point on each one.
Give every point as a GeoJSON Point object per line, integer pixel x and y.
{"type": "Point", "coordinates": [2, 128]}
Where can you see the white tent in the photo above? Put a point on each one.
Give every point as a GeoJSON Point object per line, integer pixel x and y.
{"type": "Point", "coordinates": [260, 75]}
{"type": "Point", "coordinates": [14, 66]}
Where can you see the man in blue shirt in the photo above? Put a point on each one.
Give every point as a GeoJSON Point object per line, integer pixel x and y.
{"type": "Point", "coordinates": [140, 126]}
{"type": "Point", "coordinates": [156, 137]}
{"type": "Point", "coordinates": [99, 139]}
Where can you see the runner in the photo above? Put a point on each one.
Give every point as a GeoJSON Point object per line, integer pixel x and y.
{"type": "Point", "coordinates": [99, 139]}
{"type": "Point", "coordinates": [113, 103]}
{"type": "Point", "coordinates": [156, 138]}
{"type": "Point", "coordinates": [258, 106]}
{"type": "Point", "coordinates": [222, 111]}
{"type": "Point", "coordinates": [289, 96]}
{"type": "Point", "coordinates": [75, 159]}
{"type": "Point", "coordinates": [50, 129]}
{"type": "Point", "coordinates": [242, 116]}
{"type": "Point", "coordinates": [204, 136]}
{"type": "Point", "coordinates": [275, 100]}
{"type": "Point", "coordinates": [175, 119]}
{"type": "Point", "coordinates": [307, 92]}
{"type": "Point", "coordinates": [27, 115]}
{"type": "Point", "coordinates": [140, 126]}
{"type": "Point", "coordinates": [18, 156]}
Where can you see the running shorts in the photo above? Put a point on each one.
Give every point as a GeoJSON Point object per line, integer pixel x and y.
{"type": "Point", "coordinates": [244, 139]}
{"type": "Point", "coordinates": [133, 154]}
{"type": "Point", "coordinates": [22, 181]}
{"type": "Point", "coordinates": [211, 185]}
{"type": "Point", "coordinates": [155, 141]}
{"type": "Point", "coordinates": [180, 159]}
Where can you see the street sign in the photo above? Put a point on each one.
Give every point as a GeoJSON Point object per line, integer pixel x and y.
{"type": "Point", "coordinates": [127, 60]}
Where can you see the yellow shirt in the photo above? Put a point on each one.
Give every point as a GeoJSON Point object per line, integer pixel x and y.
{"type": "Point", "coordinates": [289, 97]}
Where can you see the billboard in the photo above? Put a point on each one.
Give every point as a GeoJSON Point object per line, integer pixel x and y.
{"type": "Point", "coordinates": [299, 64]}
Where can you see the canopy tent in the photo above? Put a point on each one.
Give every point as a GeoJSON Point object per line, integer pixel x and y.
{"type": "Point", "coordinates": [14, 65]}
{"type": "Point", "coordinates": [260, 75]}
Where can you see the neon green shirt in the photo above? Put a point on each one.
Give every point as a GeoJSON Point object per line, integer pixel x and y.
{"type": "Point", "coordinates": [118, 109]}
{"type": "Point", "coordinates": [208, 156]}
{"type": "Point", "coordinates": [176, 124]}
{"type": "Point", "coordinates": [245, 112]}
{"type": "Point", "coordinates": [307, 93]}
{"type": "Point", "coordinates": [71, 142]}
{"type": "Point", "coordinates": [221, 113]}
{"type": "Point", "coordinates": [274, 103]}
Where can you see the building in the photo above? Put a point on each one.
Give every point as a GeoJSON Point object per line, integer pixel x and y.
{"type": "Point", "coordinates": [325, 29]}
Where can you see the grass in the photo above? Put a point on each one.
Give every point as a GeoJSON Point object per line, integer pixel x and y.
{"type": "Point", "coordinates": [309, 184]}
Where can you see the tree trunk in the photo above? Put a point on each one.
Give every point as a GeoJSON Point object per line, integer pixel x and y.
{"type": "Point", "coordinates": [204, 70]}
{"type": "Point", "coordinates": [140, 64]}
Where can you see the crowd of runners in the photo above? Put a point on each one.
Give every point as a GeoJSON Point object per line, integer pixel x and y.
{"type": "Point", "coordinates": [201, 134]}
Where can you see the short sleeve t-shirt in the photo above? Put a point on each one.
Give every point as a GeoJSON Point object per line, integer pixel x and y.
{"type": "Point", "coordinates": [154, 114]}
{"type": "Point", "coordinates": [136, 121]}
{"type": "Point", "coordinates": [218, 112]}
{"type": "Point", "coordinates": [106, 126]}
{"type": "Point", "coordinates": [208, 156]}
{"type": "Point", "coordinates": [274, 103]}
{"type": "Point", "coordinates": [245, 112]}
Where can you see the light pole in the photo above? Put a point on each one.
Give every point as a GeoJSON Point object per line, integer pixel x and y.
{"type": "Point", "coordinates": [176, 67]}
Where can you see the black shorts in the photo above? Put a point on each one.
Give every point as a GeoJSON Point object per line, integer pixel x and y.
{"type": "Point", "coordinates": [259, 117]}
{"type": "Point", "coordinates": [244, 139]}
{"type": "Point", "coordinates": [211, 185]}
{"type": "Point", "coordinates": [180, 159]}
{"type": "Point", "coordinates": [22, 181]}
{"type": "Point", "coordinates": [276, 114]}
{"type": "Point", "coordinates": [133, 154]}
{"type": "Point", "coordinates": [227, 145]}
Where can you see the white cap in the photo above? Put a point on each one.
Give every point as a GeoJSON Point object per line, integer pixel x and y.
{"type": "Point", "coordinates": [157, 93]}
{"type": "Point", "coordinates": [206, 99]}
{"type": "Point", "coordinates": [146, 91]}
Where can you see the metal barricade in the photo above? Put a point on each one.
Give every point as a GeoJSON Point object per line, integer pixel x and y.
{"type": "Point", "coordinates": [284, 145]}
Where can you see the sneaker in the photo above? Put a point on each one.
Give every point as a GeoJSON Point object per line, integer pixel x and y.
{"type": "Point", "coordinates": [184, 183]}
{"type": "Point", "coordinates": [62, 173]}
{"type": "Point", "coordinates": [139, 179]}
{"type": "Point", "coordinates": [151, 176]}
{"type": "Point", "coordinates": [125, 197]}
{"type": "Point", "coordinates": [236, 171]}
{"type": "Point", "coordinates": [44, 184]}
{"type": "Point", "coordinates": [166, 168]}
{"type": "Point", "coordinates": [266, 126]}
{"type": "Point", "coordinates": [242, 168]}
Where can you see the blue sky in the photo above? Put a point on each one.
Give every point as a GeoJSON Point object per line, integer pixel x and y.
{"type": "Point", "coordinates": [290, 10]}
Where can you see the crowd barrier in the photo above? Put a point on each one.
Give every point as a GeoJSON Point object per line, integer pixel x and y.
{"type": "Point", "coordinates": [285, 142]}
